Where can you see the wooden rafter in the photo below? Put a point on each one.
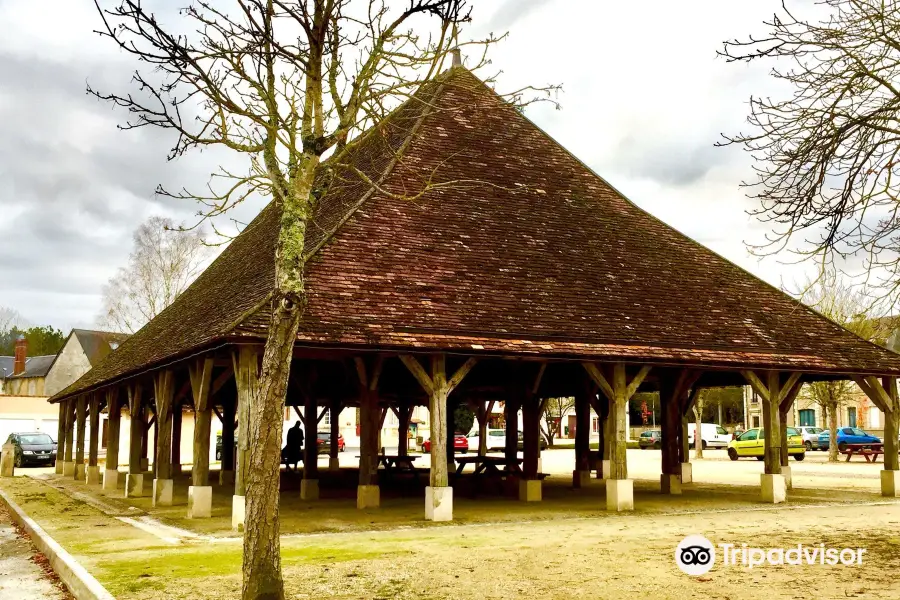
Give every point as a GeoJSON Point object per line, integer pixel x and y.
{"type": "Point", "coordinates": [603, 382]}
{"type": "Point", "coordinates": [875, 392]}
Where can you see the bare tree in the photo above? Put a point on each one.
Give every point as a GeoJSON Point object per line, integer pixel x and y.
{"type": "Point", "coordinates": [848, 307]}
{"type": "Point", "coordinates": [283, 83]}
{"type": "Point", "coordinates": [554, 409]}
{"type": "Point", "coordinates": [9, 318]}
{"type": "Point", "coordinates": [162, 264]}
{"type": "Point", "coordinates": [827, 156]}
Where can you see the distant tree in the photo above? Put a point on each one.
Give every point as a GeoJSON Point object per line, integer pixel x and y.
{"type": "Point", "coordinates": [42, 341]}
{"type": "Point", "coordinates": [848, 307]}
{"type": "Point", "coordinates": [553, 410]}
{"type": "Point", "coordinates": [826, 152]}
{"type": "Point", "coordinates": [163, 263]}
{"type": "Point", "coordinates": [699, 405]}
{"type": "Point", "coordinates": [9, 318]}
{"type": "Point", "coordinates": [463, 419]}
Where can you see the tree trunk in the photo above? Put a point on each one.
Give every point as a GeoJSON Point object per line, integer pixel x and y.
{"type": "Point", "coordinates": [832, 433]}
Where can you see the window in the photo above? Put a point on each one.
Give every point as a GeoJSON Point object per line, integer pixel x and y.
{"type": "Point", "coordinates": [851, 416]}
{"type": "Point", "coordinates": [847, 431]}
{"type": "Point", "coordinates": [857, 431]}
{"type": "Point", "coordinates": [595, 425]}
{"type": "Point", "coordinates": [756, 421]}
{"type": "Point", "coordinates": [807, 417]}
{"type": "Point", "coordinates": [749, 436]}
{"type": "Point", "coordinates": [326, 420]}
{"type": "Point", "coordinates": [792, 431]}
{"type": "Point", "coordinates": [721, 430]}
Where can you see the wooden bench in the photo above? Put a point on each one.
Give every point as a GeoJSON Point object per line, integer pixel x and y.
{"type": "Point", "coordinates": [870, 452]}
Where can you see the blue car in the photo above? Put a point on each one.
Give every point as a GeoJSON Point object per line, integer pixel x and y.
{"type": "Point", "coordinates": [847, 435]}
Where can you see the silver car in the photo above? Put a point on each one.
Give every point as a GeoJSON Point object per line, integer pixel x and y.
{"type": "Point", "coordinates": [810, 436]}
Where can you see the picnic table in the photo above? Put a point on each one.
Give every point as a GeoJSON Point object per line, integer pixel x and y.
{"type": "Point", "coordinates": [869, 451]}
{"type": "Point", "coordinates": [490, 465]}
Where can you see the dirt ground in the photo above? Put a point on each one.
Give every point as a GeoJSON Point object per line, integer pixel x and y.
{"type": "Point", "coordinates": [567, 546]}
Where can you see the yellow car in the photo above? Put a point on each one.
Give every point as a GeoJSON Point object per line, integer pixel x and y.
{"type": "Point", "coordinates": [752, 443]}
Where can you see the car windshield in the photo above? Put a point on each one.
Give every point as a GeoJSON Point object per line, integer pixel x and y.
{"type": "Point", "coordinates": [721, 430]}
{"type": "Point", "coordinates": [497, 433]}
{"type": "Point", "coordinates": [647, 434]}
{"type": "Point", "coordinates": [39, 438]}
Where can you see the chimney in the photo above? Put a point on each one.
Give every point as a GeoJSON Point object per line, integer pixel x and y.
{"type": "Point", "coordinates": [457, 57]}
{"type": "Point", "coordinates": [21, 353]}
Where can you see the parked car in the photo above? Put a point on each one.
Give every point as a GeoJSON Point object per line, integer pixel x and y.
{"type": "Point", "coordinates": [810, 436]}
{"type": "Point", "coordinates": [496, 439]}
{"type": "Point", "coordinates": [219, 446]}
{"type": "Point", "coordinates": [711, 435]}
{"type": "Point", "coordinates": [752, 443]}
{"type": "Point", "coordinates": [460, 444]}
{"type": "Point", "coordinates": [323, 442]}
{"type": "Point", "coordinates": [650, 439]}
{"type": "Point", "coordinates": [847, 435]}
{"type": "Point", "coordinates": [520, 445]}
{"type": "Point", "coordinates": [32, 449]}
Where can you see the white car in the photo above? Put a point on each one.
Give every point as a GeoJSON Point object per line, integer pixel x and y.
{"type": "Point", "coordinates": [810, 436]}
{"type": "Point", "coordinates": [496, 440]}
{"type": "Point", "coordinates": [712, 435]}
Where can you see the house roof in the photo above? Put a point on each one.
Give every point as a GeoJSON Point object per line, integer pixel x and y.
{"type": "Point", "coordinates": [97, 344]}
{"type": "Point", "coordinates": [458, 224]}
{"type": "Point", "coordinates": [35, 366]}
{"type": "Point", "coordinates": [6, 366]}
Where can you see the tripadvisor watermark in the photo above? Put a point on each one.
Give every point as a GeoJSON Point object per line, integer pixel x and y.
{"type": "Point", "coordinates": [696, 555]}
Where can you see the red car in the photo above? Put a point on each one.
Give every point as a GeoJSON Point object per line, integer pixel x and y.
{"type": "Point", "coordinates": [460, 444]}
{"type": "Point", "coordinates": [323, 442]}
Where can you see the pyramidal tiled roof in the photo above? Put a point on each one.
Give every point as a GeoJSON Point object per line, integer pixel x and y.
{"type": "Point", "coordinates": [481, 233]}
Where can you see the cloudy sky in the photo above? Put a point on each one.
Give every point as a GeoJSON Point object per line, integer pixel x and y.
{"type": "Point", "coordinates": [644, 100]}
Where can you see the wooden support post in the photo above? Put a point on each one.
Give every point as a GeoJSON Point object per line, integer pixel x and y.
{"type": "Point", "coordinates": [200, 492]}
{"type": "Point", "coordinates": [177, 415]}
{"type": "Point", "coordinates": [619, 489]}
{"type": "Point", "coordinates": [368, 494]}
{"type": "Point", "coordinates": [334, 415]}
{"type": "Point", "coordinates": [134, 480]}
{"type": "Point", "coordinates": [772, 424]}
{"type": "Point", "coordinates": [582, 474]}
{"type": "Point", "coordinates": [69, 463]}
{"type": "Point", "coordinates": [114, 427]}
{"type": "Point", "coordinates": [60, 438]}
{"type": "Point", "coordinates": [309, 485]}
{"type": "Point", "coordinates": [81, 415]}
{"type": "Point", "coordinates": [246, 374]}
{"type": "Point", "coordinates": [92, 475]}
{"type": "Point", "coordinates": [229, 415]}
{"type": "Point", "coordinates": [403, 416]}
{"type": "Point", "coordinates": [774, 394]}
{"type": "Point", "coordinates": [674, 391]}
{"type": "Point", "coordinates": [438, 495]}
{"type": "Point", "coordinates": [164, 392]}
{"type": "Point", "coordinates": [511, 415]}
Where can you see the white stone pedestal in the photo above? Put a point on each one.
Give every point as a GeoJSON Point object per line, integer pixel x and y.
{"type": "Point", "coordinates": [8, 461]}
{"type": "Point", "coordinates": [581, 479]}
{"type": "Point", "coordinates": [438, 503]}
{"type": "Point", "coordinates": [687, 473]}
{"type": "Point", "coordinates": [92, 477]}
{"type": "Point", "coordinates": [238, 510]}
{"type": "Point", "coordinates": [774, 490]}
{"type": "Point", "coordinates": [110, 479]}
{"type": "Point", "coordinates": [786, 473]}
{"type": "Point", "coordinates": [226, 477]}
{"type": "Point", "coordinates": [619, 494]}
{"type": "Point", "coordinates": [134, 485]}
{"type": "Point", "coordinates": [79, 471]}
{"type": "Point", "coordinates": [890, 484]}
{"type": "Point", "coordinates": [670, 484]}
{"type": "Point", "coordinates": [368, 496]}
{"type": "Point", "coordinates": [334, 464]}
{"type": "Point", "coordinates": [68, 469]}
{"type": "Point", "coordinates": [530, 490]}
{"type": "Point", "coordinates": [309, 489]}
{"type": "Point", "coordinates": [199, 501]}
{"type": "Point", "coordinates": [162, 492]}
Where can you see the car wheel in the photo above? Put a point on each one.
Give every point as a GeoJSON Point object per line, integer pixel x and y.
{"type": "Point", "coordinates": [657, 446]}
{"type": "Point", "coordinates": [842, 446]}
{"type": "Point", "coordinates": [800, 456]}
{"type": "Point", "coordinates": [808, 446]}
{"type": "Point", "coordinates": [18, 461]}
{"type": "Point", "coordinates": [760, 458]}
{"type": "Point", "coordinates": [703, 444]}
{"type": "Point", "coordinates": [732, 454]}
